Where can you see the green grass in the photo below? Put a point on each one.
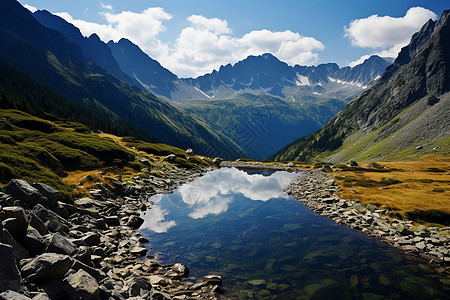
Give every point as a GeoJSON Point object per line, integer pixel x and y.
{"type": "Point", "coordinates": [154, 148]}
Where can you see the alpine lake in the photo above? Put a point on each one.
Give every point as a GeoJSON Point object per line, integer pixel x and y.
{"type": "Point", "coordinates": [240, 224]}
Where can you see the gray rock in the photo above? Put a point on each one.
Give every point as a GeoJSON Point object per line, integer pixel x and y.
{"type": "Point", "coordinates": [16, 221]}
{"type": "Point", "coordinates": [61, 211]}
{"type": "Point", "coordinates": [376, 165]}
{"type": "Point", "coordinates": [47, 191]}
{"type": "Point", "coordinates": [52, 221]}
{"type": "Point", "coordinates": [81, 285]}
{"type": "Point", "coordinates": [112, 221]}
{"type": "Point", "coordinates": [98, 275]}
{"type": "Point", "coordinates": [12, 295]}
{"type": "Point", "coordinates": [20, 190]}
{"type": "Point", "coordinates": [41, 296]}
{"type": "Point", "coordinates": [138, 286]}
{"type": "Point", "coordinates": [170, 158]}
{"type": "Point", "coordinates": [189, 151]}
{"type": "Point", "coordinates": [138, 250]}
{"type": "Point", "coordinates": [135, 222]}
{"type": "Point", "coordinates": [178, 270]}
{"type": "Point", "coordinates": [91, 239]}
{"type": "Point", "coordinates": [45, 267]}
{"type": "Point", "coordinates": [34, 242]}
{"type": "Point", "coordinates": [217, 161]}
{"type": "Point", "coordinates": [9, 275]}
{"type": "Point", "coordinates": [60, 244]}
{"type": "Point", "coordinates": [327, 169]}
{"type": "Point", "coordinates": [37, 224]}
{"type": "Point", "coordinates": [353, 163]}
{"type": "Point", "coordinates": [99, 224]}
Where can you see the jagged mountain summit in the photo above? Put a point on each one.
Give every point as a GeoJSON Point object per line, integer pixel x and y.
{"type": "Point", "coordinates": [267, 74]}
{"type": "Point", "coordinates": [404, 113]}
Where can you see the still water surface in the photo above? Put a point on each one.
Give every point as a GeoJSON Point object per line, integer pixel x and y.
{"type": "Point", "coordinates": [267, 245]}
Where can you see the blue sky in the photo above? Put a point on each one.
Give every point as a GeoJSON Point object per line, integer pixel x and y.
{"type": "Point", "coordinates": [194, 37]}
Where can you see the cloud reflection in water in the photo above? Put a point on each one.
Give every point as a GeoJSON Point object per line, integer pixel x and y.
{"type": "Point", "coordinates": [214, 192]}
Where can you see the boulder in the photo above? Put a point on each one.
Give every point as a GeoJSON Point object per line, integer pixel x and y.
{"type": "Point", "coordinates": [217, 161]}
{"type": "Point", "coordinates": [327, 169]}
{"type": "Point", "coordinates": [61, 211]}
{"type": "Point", "coordinates": [20, 190]}
{"type": "Point", "coordinates": [9, 275]}
{"type": "Point", "coordinates": [189, 151]}
{"type": "Point", "coordinates": [34, 242]}
{"type": "Point", "coordinates": [112, 221]}
{"type": "Point", "coordinates": [135, 222]}
{"type": "Point", "coordinates": [52, 221]}
{"type": "Point", "coordinates": [37, 224]}
{"type": "Point", "coordinates": [12, 295]}
{"type": "Point", "coordinates": [82, 286]}
{"type": "Point", "coordinates": [138, 250]}
{"type": "Point", "coordinates": [376, 165]}
{"type": "Point", "coordinates": [16, 222]}
{"type": "Point", "coordinates": [62, 245]}
{"type": "Point", "coordinates": [353, 163]}
{"type": "Point", "coordinates": [47, 191]}
{"type": "Point", "coordinates": [45, 267]}
{"type": "Point", "coordinates": [178, 270]}
{"type": "Point", "coordinates": [138, 286]}
{"type": "Point", "coordinates": [98, 275]}
{"type": "Point", "coordinates": [41, 296]}
{"type": "Point", "coordinates": [91, 239]}
{"type": "Point", "coordinates": [170, 158]}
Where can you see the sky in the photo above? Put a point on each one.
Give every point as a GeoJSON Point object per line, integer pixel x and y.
{"type": "Point", "coordinates": [192, 38]}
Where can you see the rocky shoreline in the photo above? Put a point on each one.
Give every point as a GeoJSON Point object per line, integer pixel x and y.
{"type": "Point", "coordinates": [90, 249]}
{"type": "Point", "coordinates": [318, 191]}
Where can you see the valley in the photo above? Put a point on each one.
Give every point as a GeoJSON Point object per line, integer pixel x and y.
{"type": "Point", "coordinates": [265, 178]}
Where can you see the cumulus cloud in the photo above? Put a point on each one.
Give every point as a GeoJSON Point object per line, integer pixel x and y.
{"type": "Point", "coordinates": [141, 28]}
{"type": "Point", "coordinates": [208, 43]}
{"type": "Point", "coordinates": [385, 34]}
{"type": "Point", "coordinates": [205, 44]}
{"type": "Point", "coordinates": [30, 8]}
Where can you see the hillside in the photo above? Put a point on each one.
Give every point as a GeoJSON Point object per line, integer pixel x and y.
{"type": "Point", "coordinates": [48, 57]}
{"type": "Point", "coordinates": [403, 114]}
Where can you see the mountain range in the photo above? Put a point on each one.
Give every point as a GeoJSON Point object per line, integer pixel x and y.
{"type": "Point", "coordinates": [249, 109]}
{"type": "Point", "coordinates": [403, 114]}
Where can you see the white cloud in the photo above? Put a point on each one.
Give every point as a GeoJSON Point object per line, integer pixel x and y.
{"type": "Point", "coordinates": [141, 28]}
{"type": "Point", "coordinates": [30, 8]}
{"type": "Point", "coordinates": [212, 194]}
{"type": "Point", "coordinates": [155, 218]}
{"type": "Point", "coordinates": [106, 6]}
{"type": "Point", "coordinates": [204, 45]}
{"type": "Point", "coordinates": [385, 34]}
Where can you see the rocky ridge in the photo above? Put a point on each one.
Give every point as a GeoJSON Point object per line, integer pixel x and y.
{"type": "Point", "coordinates": [90, 249]}
{"type": "Point", "coordinates": [318, 191]}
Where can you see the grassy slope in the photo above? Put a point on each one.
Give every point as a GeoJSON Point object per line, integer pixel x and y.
{"type": "Point", "coordinates": [417, 189]}
{"type": "Point", "coordinates": [39, 150]}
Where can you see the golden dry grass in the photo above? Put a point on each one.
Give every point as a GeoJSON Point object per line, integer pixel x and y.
{"type": "Point", "coordinates": [425, 185]}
